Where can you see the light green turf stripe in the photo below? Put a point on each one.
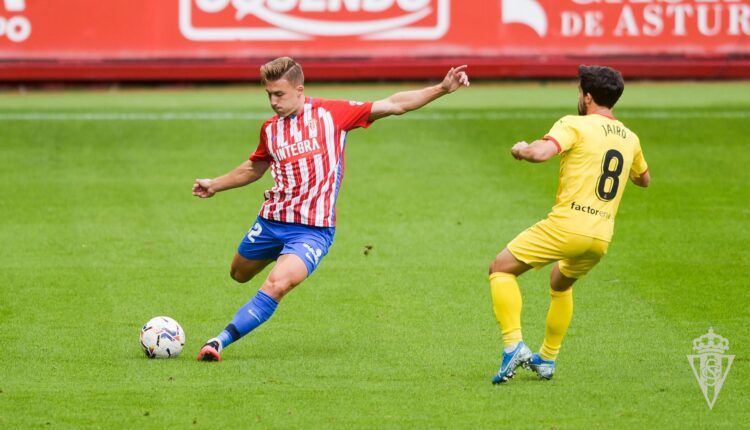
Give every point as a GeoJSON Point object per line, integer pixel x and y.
{"type": "Point", "coordinates": [235, 116]}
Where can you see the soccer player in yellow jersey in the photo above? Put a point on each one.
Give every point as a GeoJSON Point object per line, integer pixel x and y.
{"type": "Point", "coordinates": [597, 156]}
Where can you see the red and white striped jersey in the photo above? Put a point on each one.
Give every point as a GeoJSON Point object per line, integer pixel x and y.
{"type": "Point", "coordinates": [306, 153]}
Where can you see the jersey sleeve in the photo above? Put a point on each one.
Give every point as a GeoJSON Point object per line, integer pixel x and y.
{"type": "Point", "coordinates": [349, 115]}
{"type": "Point", "coordinates": [639, 166]}
{"type": "Point", "coordinates": [564, 134]}
{"type": "Point", "coordinates": [261, 153]}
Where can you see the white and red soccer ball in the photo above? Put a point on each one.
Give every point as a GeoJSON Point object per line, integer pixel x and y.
{"type": "Point", "coordinates": [162, 337]}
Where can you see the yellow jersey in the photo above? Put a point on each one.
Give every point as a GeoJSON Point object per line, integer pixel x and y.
{"type": "Point", "coordinates": [598, 153]}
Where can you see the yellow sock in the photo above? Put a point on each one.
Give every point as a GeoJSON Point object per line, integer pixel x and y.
{"type": "Point", "coordinates": [507, 303]}
{"type": "Point", "coordinates": [558, 319]}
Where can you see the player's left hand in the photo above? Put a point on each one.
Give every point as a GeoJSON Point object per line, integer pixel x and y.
{"type": "Point", "coordinates": [203, 188]}
{"type": "Point", "coordinates": [515, 151]}
{"type": "Point", "coordinates": [455, 78]}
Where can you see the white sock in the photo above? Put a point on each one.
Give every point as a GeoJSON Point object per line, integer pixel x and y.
{"type": "Point", "coordinates": [509, 349]}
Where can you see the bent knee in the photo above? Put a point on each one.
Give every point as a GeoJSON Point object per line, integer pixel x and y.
{"type": "Point", "coordinates": [506, 262]}
{"type": "Point", "coordinates": [239, 275]}
{"type": "Point", "coordinates": [498, 264]}
{"type": "Point", "coordinates": [491, 269]}
{"type": "Point", "coordinates": [277, 287]}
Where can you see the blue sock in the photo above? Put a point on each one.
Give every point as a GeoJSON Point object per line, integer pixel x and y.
{"type": "Point", "coordinates": [248, 318]}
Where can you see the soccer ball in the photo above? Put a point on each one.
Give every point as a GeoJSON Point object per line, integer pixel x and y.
{"type": "Point", "coordinates": [162, 337]}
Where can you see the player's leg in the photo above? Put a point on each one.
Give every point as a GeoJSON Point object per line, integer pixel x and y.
{"type": "Point", "coordinates": [258, 248]}
{"type": "Point", "coordinates": [559, 315]}
{"type": "Point", "coordinates": [559, 282]}
{"type": "Point", "coordinates": [564, 274]}
{"type": "Point", "coordinates": [507, 305]}
{"type": "Point", "coordinates": [303, 249]}
{"type": "Point", "coordinates": [531, 248]}
{"type": "Point", "coordinates": [262, 245]}
{"type": "Point", "coordinates": [506, 262]}
{"type": "Point", "coordinates": [535, 247]}
{"type": "Point", "coordinates": [243, 269]}
{"type": "Point", "coordinates": [288, 272]}
{"type": "Point", "coordinates": [506, 296]}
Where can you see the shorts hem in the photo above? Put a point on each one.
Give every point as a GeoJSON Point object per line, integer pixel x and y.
{"type": "Point", "coordinates": [258, 258]}
{"type": "Point", "coordinates": [310, 267]}
{"type": "Point", "coordinates": [568, 274]}
{"type": "Point", "coordinates": [519, 258]}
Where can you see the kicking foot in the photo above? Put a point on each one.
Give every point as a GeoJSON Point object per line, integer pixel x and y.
{"type": "Point", "coordinates": [211, 351]}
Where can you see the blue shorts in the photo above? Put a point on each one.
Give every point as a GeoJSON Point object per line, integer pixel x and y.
{"type": "Point", "coordinates": [267, 240]}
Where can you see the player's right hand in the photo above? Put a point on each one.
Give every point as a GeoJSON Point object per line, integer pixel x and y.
{"type": "Point", "coordinates": [202, 188]}
{"type": "Point", "coordinates": [515, 151]}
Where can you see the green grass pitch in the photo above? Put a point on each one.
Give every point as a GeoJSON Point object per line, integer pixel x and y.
{"type": "Point", "coordinates": [99, 233]}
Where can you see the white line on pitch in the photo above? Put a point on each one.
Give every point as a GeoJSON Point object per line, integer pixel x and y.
{"type": "Point", "coordinates": [415, 116]}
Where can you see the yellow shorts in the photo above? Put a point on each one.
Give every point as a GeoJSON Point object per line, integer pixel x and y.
{"type": "Point", "coordinates": [543, 243]}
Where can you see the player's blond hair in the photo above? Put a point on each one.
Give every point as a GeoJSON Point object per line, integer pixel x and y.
{"type": "Point", "coordinates": [282, 68]}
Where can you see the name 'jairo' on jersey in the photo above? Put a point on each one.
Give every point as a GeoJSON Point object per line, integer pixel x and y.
{"type": "Point", "coordinates": [598, 153]}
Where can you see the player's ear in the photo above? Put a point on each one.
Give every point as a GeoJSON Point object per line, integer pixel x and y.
{"type": "Point", "coordinates": [300, 89]}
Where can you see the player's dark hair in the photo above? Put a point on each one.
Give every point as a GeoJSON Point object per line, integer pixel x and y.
{"type": "Point", "coordinates": [603, 83]}
{"type": "Point", "coordinates": [282, 68]}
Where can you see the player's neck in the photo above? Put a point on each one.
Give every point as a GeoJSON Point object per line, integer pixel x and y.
{"type": "Point", "coordinates": [600, 110]}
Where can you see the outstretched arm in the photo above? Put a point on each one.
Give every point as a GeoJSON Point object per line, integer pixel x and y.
{"type": "Point", "coordinates": [246, 173]}
{"type": "Point", "coordinates": [406, 101]}
{"type": "Point", "coordinates": [539, 151]}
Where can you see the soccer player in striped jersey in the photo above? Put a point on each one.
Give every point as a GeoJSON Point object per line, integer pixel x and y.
{"type": "Point", "coordinates": [303, 146]}
{"type": "Point", "coordinates": [597, 155]}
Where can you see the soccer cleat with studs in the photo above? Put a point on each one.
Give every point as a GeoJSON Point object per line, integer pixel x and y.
{"type": "Point", "coordinates": [520, 356]}
{"type": "Point", "coordinates": [211, 351]}
{"type": "Point", "coordinates": [544, 368]}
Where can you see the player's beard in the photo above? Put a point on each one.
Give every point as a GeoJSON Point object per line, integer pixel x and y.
{"type": "Point", "coordinates": [581, 107]}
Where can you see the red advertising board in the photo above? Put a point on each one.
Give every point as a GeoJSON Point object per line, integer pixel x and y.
{"type": "Point", "coordinates": [227, 39]}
